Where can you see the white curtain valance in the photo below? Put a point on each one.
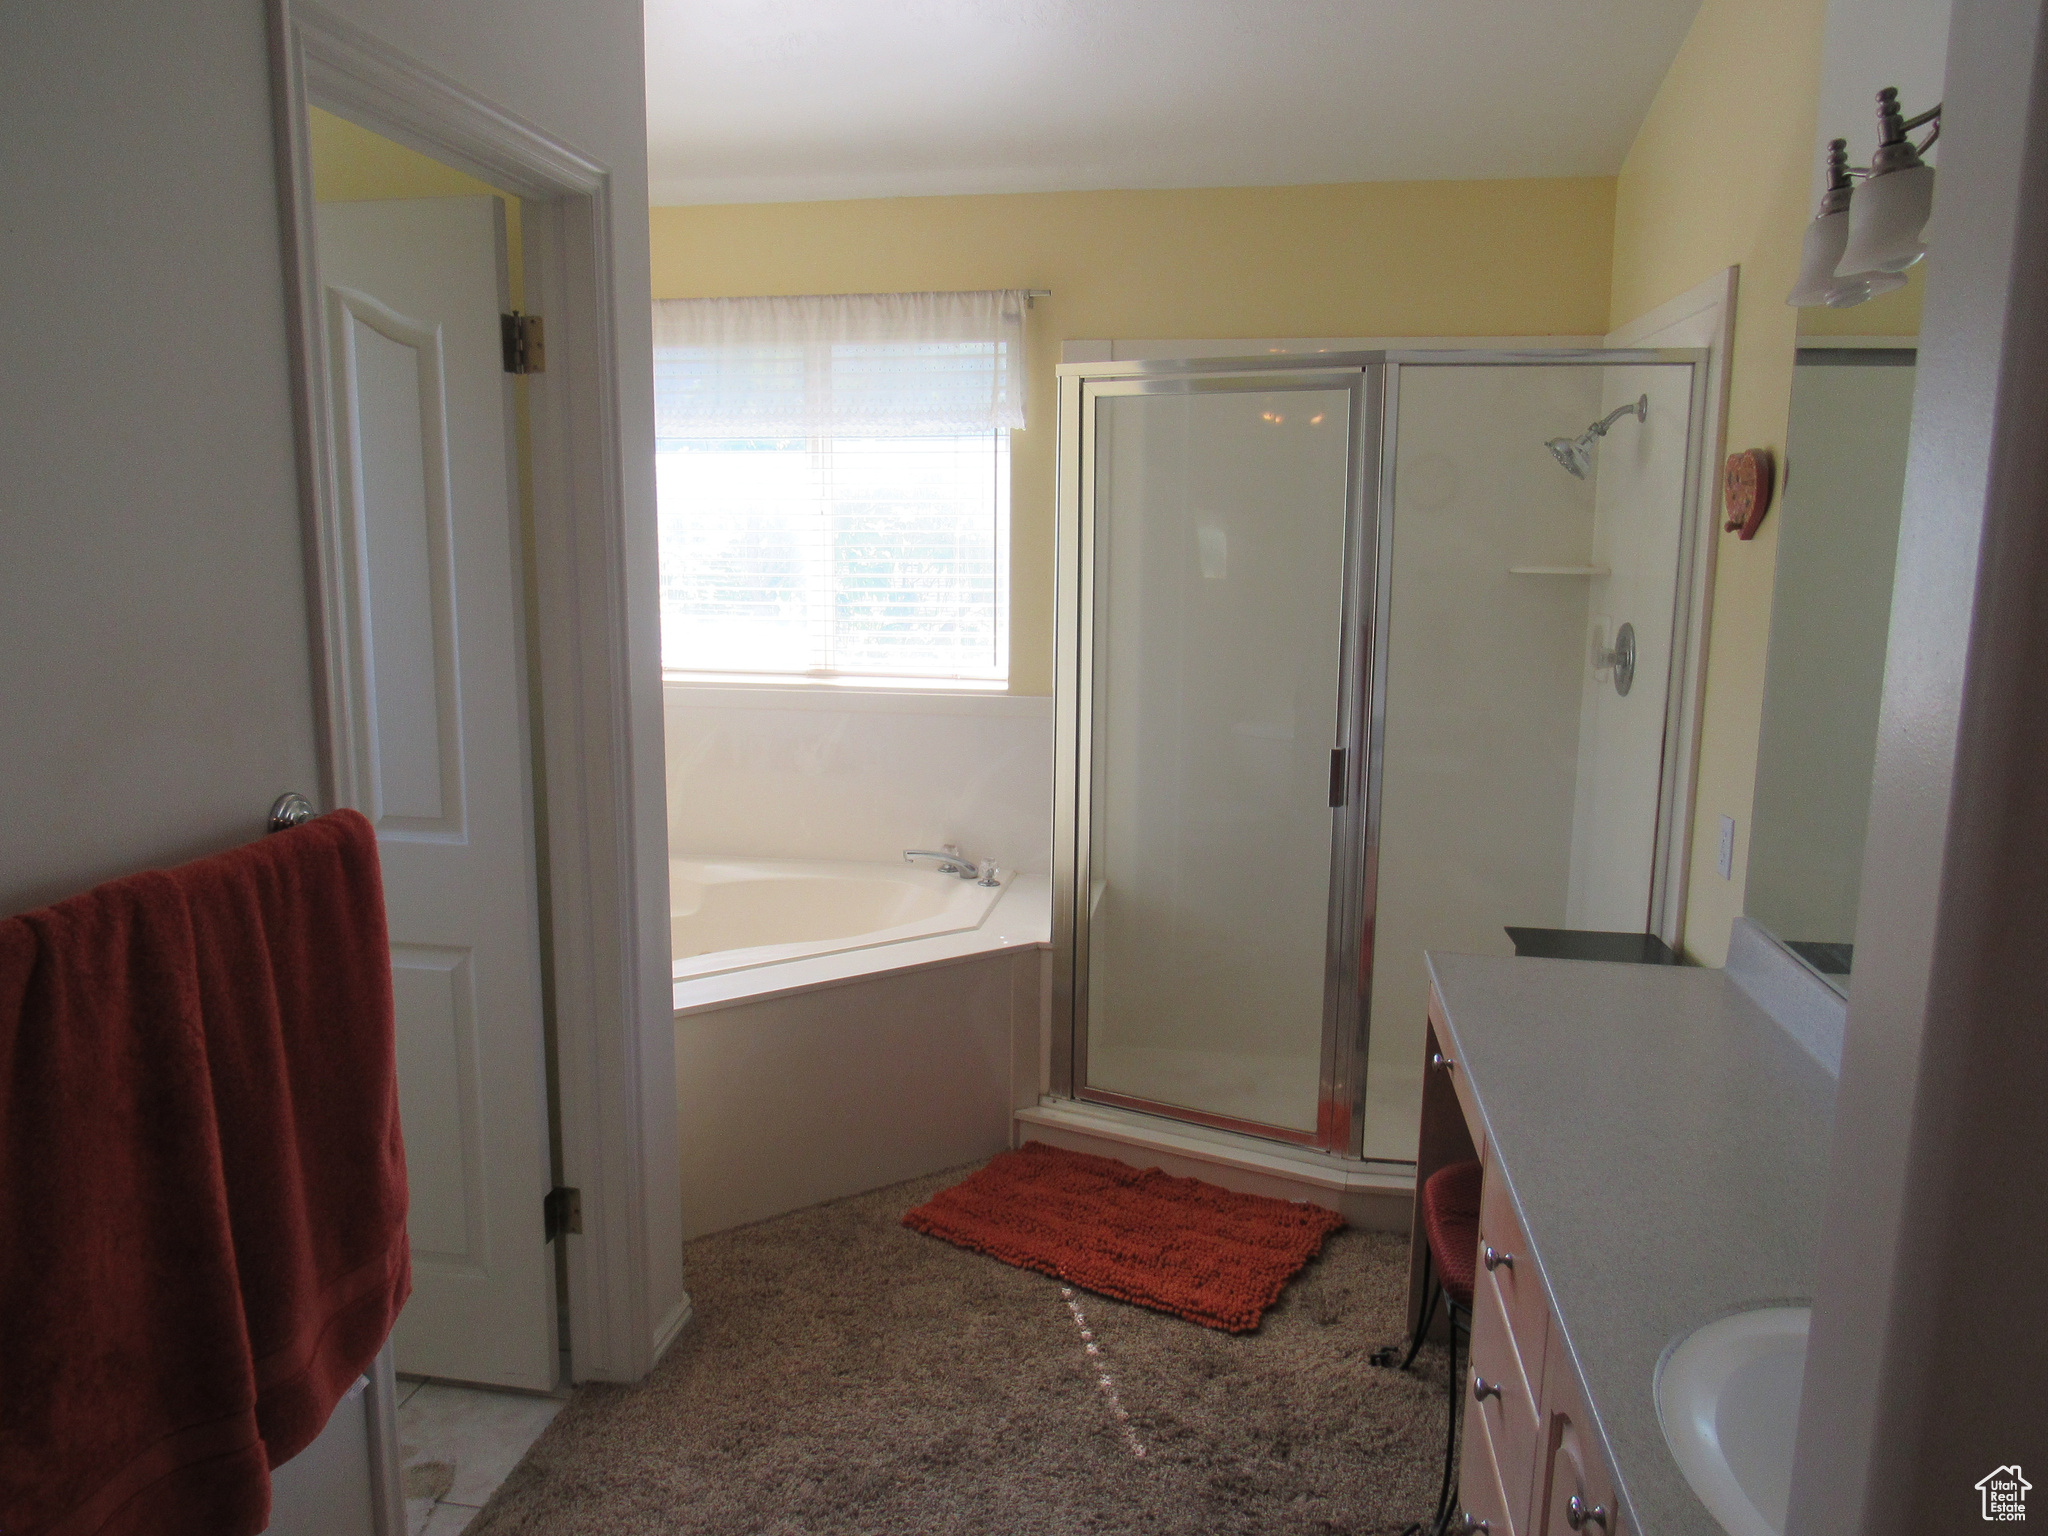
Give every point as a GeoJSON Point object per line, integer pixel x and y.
{"type": "Point", "coordinates": [849, 365]}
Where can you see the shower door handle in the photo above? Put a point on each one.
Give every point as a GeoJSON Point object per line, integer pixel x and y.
{"type": "Point", "coordinates": [1340, 760]}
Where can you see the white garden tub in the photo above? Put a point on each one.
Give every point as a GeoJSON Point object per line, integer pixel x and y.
{"type": "Point", "coordinates": [729, 914]}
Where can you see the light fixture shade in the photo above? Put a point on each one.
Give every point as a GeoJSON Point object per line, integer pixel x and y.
{"type": "Point", "coordinates": [1847, 292]}
{"type": "Point", "coordinates": [1885, 221]}
{"type": "Point", "coordinates": [1826, 238]}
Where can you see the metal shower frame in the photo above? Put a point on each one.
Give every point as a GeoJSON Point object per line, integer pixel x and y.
{"type": "Point", "coordinates": [1372, 379]}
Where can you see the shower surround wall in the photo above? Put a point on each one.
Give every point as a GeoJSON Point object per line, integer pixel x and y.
{"type": "Point", "coordinates": [1519, 786]}
{"type": "Point", "coordinates": [819, 773]}
{"type": "Point", "coordinates": [1638, 518]}
{"type": "Point", "coordinates": [1483, 688]}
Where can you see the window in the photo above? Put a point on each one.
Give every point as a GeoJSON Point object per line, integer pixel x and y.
{"type": "Point", "coordinates": [833, 478]}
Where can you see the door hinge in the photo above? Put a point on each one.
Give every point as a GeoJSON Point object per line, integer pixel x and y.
{"type": "Point", "coordinates": [561, 1211]}
{"type": "Point", "coordinates": [526, 349]}
{"type": "Point", "coordinates": [1340, 762]}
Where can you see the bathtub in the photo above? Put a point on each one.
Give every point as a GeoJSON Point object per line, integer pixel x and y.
{"type": "Point", "coordinates": [729, 914]}
{"type": "Point", "coordinates": [844, 1026]}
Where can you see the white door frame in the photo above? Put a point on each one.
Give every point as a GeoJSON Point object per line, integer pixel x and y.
{"type": "Point", "coordinates": [607, 1124]}
{"type": "Point", "coordinates": [1702, 316]}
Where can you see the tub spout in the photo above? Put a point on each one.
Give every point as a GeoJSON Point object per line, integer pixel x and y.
{"type": "Point", "coordinates": [950, 859]}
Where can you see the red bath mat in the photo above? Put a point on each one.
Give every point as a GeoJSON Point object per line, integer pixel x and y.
{"type": "Point", "coordinates": [1209, 1255]}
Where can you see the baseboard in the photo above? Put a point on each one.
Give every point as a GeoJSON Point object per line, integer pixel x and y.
{"type": "Point", "coordinates": [1378, 1197]}
{"type": "Point", "coordinates": [671, 1328]}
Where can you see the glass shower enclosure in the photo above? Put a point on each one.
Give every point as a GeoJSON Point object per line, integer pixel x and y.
{"type": "Point", "coordinates": [1337, 683]}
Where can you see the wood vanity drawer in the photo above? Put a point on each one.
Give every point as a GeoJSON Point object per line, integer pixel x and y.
{"type": "Point", "coordinates": [1443, 1061]}
{"type": "Point", "coordinates": [1505, 1267]}
{"type": "Point", "coordinates": [1574, 1465]}
{"type": "Point", "coordinates": [1479, 1491]}
{"type": "Point", "coordinates": [1508, 1409]}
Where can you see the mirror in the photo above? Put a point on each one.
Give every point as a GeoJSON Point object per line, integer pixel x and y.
{"type": "Point", "coordinates": [1838, 529]}
{"type": "Point", "coordinates": [1838, 534]}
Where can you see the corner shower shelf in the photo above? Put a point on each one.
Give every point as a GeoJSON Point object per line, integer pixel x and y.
{"type": "Point", "coordinates": [1560, 570]}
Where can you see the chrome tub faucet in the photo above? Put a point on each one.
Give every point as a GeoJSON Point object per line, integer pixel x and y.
{"type": "Point", "coordinates": [953, 861]}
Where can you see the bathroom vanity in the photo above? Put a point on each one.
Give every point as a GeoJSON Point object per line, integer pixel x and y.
{"type": "Point", "coordinates": [1655, 1150]}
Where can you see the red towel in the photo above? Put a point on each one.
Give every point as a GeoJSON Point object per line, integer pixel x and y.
{"type": "Point", "coordinates": [124, 1367]}
{"type": "Point", "coordinates": [200, 1165]}
{"type": "Point", "coordinates": [295, 987]}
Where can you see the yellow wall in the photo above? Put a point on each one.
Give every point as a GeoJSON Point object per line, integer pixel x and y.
{"type": "Point", "coordinates": [1501, 258]}
{"type": "Point", "coordinates": [1720, 175]}
{"type": "Point", "coordinates": [353, 165]}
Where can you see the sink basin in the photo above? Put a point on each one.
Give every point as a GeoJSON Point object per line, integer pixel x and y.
{"type": "Point", "coordinates": [1728, 1402]}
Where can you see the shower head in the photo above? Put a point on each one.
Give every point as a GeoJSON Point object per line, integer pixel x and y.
{"type": "Point", "coordinates": [1575, 454]}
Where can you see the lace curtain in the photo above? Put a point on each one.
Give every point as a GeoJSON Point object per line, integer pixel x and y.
{"type": "Point", "coordinates": [839, 365]}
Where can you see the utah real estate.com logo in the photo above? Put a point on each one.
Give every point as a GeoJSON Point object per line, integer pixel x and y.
{"type": "Point", "coordinates": [2005, 1493]}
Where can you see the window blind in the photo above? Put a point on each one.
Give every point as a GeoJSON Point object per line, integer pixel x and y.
{"type": "Point", "coordinates": [833, 482]}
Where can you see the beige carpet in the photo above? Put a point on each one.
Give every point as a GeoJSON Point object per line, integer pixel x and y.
{"type": "Point", "coordinates": [846, 1375]}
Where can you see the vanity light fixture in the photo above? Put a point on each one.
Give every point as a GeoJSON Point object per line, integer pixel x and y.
{"type": "Point", "coordinates": [1861, 242]}
{"type": "Point", "coordinates": [1897, 195]}
{"type": "Point", "coordinates": [1827, 237]}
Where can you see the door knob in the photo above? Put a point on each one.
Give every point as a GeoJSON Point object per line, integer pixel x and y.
{"type": "Point", "coordinates": [1472, 1525]}
{"type": "Point", "coordinates": [1578, 1514]}
{"type": "Point", "coordinates": [290, 810]}
{"type": "Point", "coordinates": [1495, 1259]}
{"type": "Point", "coordinates": [1482, 1389]}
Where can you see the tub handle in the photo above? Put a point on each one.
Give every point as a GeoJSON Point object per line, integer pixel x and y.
{"type": "Point", "coordinates": [990, 875]}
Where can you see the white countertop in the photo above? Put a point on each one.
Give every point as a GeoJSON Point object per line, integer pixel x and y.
{"type": "Point", "coordinates": [1666, 1146]}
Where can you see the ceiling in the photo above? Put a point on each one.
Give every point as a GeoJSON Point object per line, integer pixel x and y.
{"type": "Point", "coordinates": [792, 100]}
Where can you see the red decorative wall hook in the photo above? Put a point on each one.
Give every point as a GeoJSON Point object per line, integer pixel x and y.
{"type": "Point", "coordinates": [1746, 491]}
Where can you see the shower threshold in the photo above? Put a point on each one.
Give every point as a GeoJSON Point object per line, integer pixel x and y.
{"type": "Point", "coordinates": [1374, 1195]}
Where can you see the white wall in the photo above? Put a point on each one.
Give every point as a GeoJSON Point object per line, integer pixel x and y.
{"type": "Point", "coordinates": [798, 773]}
{"type": "Point", "coordinates": [1870, 44]}
{"type": "Point", "coordinates": [1922, 1371]}
{"type": "Point", "coordinates": [154, 695]}
{"type": "Point", "coordinates": [1483, 684]}
{"type": "Point", "coordinates": [1638, 515]}
{"type": "Point", "coordinates": [154, 682]}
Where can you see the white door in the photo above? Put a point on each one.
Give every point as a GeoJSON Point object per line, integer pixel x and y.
{"type": "Point", "coordinates": [437, 717]}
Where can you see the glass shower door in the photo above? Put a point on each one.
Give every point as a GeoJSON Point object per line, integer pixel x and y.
{"type": "Point", "coordinates": [1338, 687]}
{"type": "Point", "coordinates": [1217, 514]}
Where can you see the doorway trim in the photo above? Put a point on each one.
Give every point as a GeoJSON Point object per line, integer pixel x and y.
{"type": "Point", "coordinates": [1703, 317]}
{"type": "Point", "coordinates": [611, 1130]}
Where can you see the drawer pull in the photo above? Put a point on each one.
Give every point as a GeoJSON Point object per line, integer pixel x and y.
{"type": "Point", "coordinates": [1495, 1259]}
{"type": "Point", "coordinates": [1578, 1514]}
{"type": "Point", "coordinates": [1442, 1062]}
{"type": "Point", "coordinates": [1482, 1389]}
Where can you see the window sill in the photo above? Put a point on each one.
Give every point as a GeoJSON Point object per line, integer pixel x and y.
{"type": "Point", "coordinates": [864, 697]}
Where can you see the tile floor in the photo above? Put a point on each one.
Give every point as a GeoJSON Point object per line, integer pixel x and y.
{"type": "Point", "coordinates": [458, 1444]}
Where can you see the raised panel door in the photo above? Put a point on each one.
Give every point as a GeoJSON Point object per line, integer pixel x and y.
{"type": "Point", "coordinates": [438, 743]}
